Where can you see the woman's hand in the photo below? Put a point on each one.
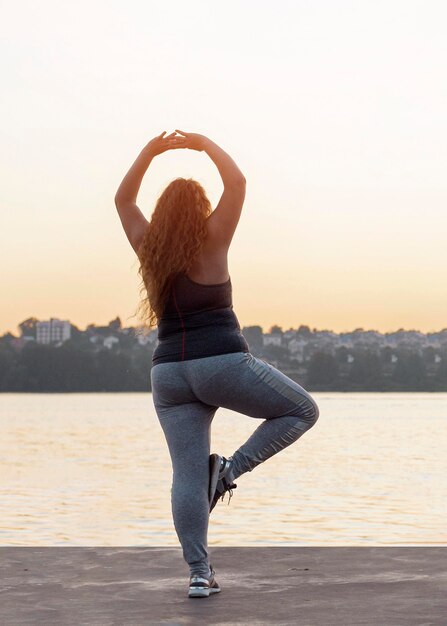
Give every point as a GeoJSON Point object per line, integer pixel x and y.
{"type": "Point", "coordinates": [160, 144]}
{"type": "Point", "coordinates": [193, 141]}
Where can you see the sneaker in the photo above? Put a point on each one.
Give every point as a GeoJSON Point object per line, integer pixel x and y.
{"type": "Point", "coordinates": [200, 587]}
{"type": "Point", "coordinates": [219, 485]}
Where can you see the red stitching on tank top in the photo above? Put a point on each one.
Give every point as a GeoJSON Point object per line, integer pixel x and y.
{"type": "Point", "coordinates": [183, 325]}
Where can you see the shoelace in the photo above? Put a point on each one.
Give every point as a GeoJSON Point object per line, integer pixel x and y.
{"type": "Point", "coordinates": [228, 489]}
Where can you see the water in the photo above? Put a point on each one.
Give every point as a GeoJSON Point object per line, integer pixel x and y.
{"type": "Point", "coordinates": [94, 470]}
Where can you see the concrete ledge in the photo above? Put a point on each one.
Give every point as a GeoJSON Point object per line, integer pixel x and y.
{"type": "Point", "coordinates": [378, 586]}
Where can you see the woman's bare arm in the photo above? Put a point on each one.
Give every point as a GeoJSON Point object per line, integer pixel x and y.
{"type": "Point", "coordinates": [132, 219]}
{"type": "Point", "coordinates": [224, 219]}
{"type": "Point", "coordinates": [228, 170]}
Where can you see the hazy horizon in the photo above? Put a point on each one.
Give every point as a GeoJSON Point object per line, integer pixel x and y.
{"type": "Point", "coordinates": [334, 111]}
{"type": "Point", "coordinates": [130, 324]}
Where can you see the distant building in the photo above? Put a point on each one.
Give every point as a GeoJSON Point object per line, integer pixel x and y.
{"type": "Point", "coordinates": [53, 331]}
{"type": "Point", "coordinates": [110, 341]}
{"type": "Point", "coordinates": [145, 336]}
{"type": "Point", "coordinates": [145, 339]}
{"type": "Point", "coordinates": [297, 347]}
{"type": "Point", "coordinates": [274, 337]}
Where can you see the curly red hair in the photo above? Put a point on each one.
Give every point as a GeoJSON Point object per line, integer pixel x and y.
{"type": "Point", "coordinates": [173, 239]}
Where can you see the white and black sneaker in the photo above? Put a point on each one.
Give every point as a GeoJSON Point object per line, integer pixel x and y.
{"type": "Point", "coordinates": [200, 587]}
{"type": "Point", "coordinates": [219, 479]}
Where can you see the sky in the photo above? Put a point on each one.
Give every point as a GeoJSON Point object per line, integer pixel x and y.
{"type": "Point", "coordinates": [335, 111]}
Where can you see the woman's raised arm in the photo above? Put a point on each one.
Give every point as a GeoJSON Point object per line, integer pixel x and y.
{"type": "Point", "coordinates": [228, 170]}
{"type": "Point", "coordinates": [224, 219]}
{"type": "Point", "coordinates": [132, 219]}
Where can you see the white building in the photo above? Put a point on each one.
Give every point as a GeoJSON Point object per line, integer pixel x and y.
{"type": "Point", "coordinates": [297, 345]}
{"type": "Point", "coordinates": [110, 341]}
{"type": "Point", "coordinates": [269, 339]}
{"type": "Point", "coordinates": [53, 331]}
{"type": "Point", "coordinates": [143, 340]}
{"type": "Point", "coordinates": [145, 336]}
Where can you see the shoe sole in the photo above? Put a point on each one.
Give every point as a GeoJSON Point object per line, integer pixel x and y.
{"type": "Point", "coordinates": [201, 592]}
{"type": "Point", "coordinates": [204, 590]}
{"type": "Point", "coordinates": [215, 461]}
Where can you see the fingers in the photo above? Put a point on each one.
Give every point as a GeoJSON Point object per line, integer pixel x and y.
{"type": "Point", "coordinates": [172, 143]}
{"type": "Point", "coordinates": [170, 138]}
{"type": "Point", "coordinates": [181, 132]}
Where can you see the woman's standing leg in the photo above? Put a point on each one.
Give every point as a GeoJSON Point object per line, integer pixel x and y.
{"type": "Point", "coordinates": [243, 383]}
{"type": "Point", "coordinates": [186, 423]}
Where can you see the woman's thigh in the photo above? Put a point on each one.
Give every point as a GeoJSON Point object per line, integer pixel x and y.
{"type": "Point", "coordinates": [169, 385]}
{"type": "Point", "coordinates": [249, 385]}
{"type": "Point", "coordinates": [185, 420]}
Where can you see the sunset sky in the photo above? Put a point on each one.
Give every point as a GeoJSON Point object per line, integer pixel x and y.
{"type": "Point", "coordinates": [335, 111]}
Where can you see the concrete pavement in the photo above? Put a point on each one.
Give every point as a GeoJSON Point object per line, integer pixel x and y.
{"type": "Point", "coordinates": [281, 586]}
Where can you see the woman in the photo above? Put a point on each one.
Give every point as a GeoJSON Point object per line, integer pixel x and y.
{"type": "Point", "coordinates": [202, 360]}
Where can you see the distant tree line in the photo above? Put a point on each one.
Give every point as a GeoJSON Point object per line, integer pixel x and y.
{"type": "Point", "coordinates": [75, 367]}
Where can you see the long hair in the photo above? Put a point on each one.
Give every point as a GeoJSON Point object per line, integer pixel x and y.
{"type": "Point", "coordinates": [174, 237]}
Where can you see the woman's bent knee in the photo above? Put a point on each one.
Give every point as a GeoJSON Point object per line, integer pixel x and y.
{"type": "Point", "coordinates": [312, 413]}
{"type": "Point", "coordinates": [306, 414]}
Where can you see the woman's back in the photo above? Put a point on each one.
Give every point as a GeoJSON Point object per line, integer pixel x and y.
{"type": "Point", "coordinates": [198, 321]}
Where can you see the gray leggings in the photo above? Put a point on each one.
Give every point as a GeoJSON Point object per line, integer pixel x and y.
{"type": "Point", "coordinates": [186, 395]}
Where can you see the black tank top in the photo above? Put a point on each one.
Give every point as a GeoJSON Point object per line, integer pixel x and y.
{"type": "Point", "coordinates": [198, 321]}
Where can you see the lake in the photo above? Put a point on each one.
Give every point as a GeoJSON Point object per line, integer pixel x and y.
{"type": "Point", "coordinates": [93, 469]}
